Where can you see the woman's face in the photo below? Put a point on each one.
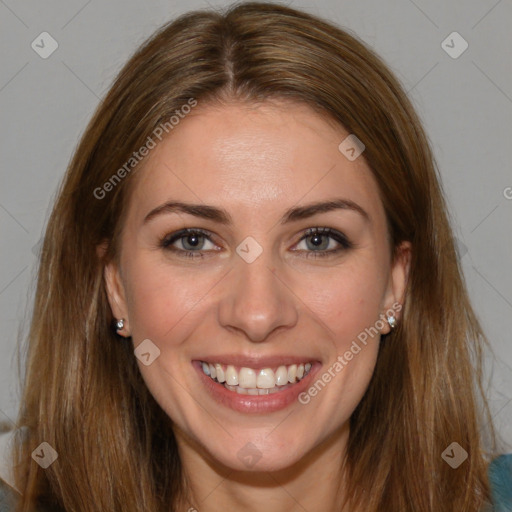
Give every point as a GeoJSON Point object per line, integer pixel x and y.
{"type": "Point", "coordinates": [256, 292]}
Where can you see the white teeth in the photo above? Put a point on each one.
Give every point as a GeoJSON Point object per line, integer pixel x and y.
{"type": "Point", "coordinates": [247, 378]}
{"type": "Point", "coordinates": [266, 379]}
{"type": "Point", "coordinates": [281, 376]}
{"type": "Point", "coordinates": [220, 373]}
{"type": "Point", "coordinates": [231, 376]}
{"type": "Point", "coordinates": [247, 381]}
{"type": "Point", "coordinates": [292, 373]}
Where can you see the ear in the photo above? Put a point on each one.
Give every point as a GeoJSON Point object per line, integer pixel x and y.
{"type": "Point", "coordinates": [115, 291]}
{"type": "Point", "coordinates": [397, 283]}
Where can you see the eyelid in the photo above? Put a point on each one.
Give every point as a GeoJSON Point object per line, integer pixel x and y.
{"type": "Point", "coordinates": [186, 231]}
{"type": "Point", "coordinates": [339, 236]}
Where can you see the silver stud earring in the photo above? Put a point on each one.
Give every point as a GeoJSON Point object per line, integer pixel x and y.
{"type": "Point", "coordinates": [391, 321]}
{"type": "Point", "coordinates": [119, 324]}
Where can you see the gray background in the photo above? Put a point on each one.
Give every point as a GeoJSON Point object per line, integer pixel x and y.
{"type": "Point", "coordinates": [465, 104]}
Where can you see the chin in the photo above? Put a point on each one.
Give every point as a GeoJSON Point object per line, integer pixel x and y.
{"type": "Point", "coordinates": [244, 454]}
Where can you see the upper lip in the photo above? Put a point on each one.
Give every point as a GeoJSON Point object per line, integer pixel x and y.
{"type": "Point", "coordinates": [256, 361]}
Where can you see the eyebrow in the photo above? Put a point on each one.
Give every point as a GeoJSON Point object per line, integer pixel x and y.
{"type": "Point", "coordinates": [221, 216]}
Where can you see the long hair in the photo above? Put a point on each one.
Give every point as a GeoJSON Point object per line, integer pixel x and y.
{"type": "Point", "coordinates": [83, 393]}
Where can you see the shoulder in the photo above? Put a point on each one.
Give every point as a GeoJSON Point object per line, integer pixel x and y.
{"type": "Point", "coordinates": [500, 478]}
{"type": "Point", "coordinates": [6, 446]}
{"type": "Point", "coordinates": [8, 493]}
{"type": "Point", "coordinates": [8, 497]}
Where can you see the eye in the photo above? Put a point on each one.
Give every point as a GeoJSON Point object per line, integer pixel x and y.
{"type": "Point", "coordinates": [319, 242]}
{"type": "Point", "coordinates": [191, 240]}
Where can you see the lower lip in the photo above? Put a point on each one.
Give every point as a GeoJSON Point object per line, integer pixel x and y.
{"type": "Point", "coordinates": [255, 403]}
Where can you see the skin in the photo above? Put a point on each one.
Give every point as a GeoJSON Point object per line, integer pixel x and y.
{"type": "Point", "coordinates": [256, 162]}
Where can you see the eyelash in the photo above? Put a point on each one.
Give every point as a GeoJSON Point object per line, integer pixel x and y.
{"type": "Point", "coordinates": [167, 241]}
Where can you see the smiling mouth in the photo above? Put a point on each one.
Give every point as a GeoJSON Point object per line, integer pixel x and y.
{"type": "Point", "coordinates": [249, 381]}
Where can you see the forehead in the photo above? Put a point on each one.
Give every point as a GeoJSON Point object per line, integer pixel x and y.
{"type": "Point", "coordinates": [253, 158]}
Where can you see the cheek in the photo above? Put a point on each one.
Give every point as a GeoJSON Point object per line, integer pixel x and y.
{"type": "Point", "coordinates": [347, 300]}
{"type": "Point", "coordinates": [348, 303]}
{"type": "Point", "coordinates": [159, 297]}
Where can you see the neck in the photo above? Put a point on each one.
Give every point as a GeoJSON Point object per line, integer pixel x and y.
{"type": "Point", "coordinates": [315, 482]}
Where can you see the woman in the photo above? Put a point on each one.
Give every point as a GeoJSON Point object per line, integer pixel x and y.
{"type": "Point", "coordinates": [249, 295]}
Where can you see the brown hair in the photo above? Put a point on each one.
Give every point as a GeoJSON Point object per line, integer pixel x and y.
{"type": "Point", "coordinates": [83, 393]}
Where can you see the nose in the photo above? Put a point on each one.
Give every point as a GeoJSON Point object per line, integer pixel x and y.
{"type": "Point", "coordinates": [256, 301]}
